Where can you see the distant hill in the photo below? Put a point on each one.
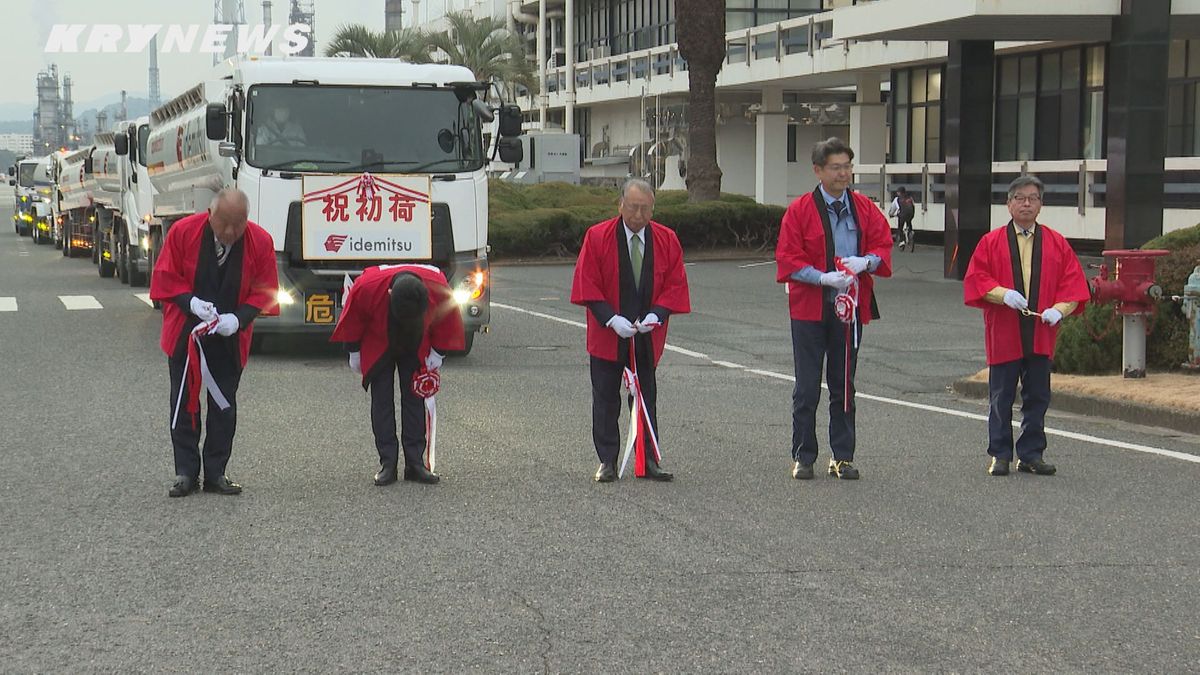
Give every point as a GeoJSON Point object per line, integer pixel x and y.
{"type": "Point", "coordinates": [17, 127]}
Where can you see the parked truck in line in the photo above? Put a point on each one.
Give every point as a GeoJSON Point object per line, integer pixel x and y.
{"type": "Point", "coordinates": [347, 163]}
{"type": "Point", "coordinates": [31, 194]}
{"type": "Point", "coordinates": [124, 203]}
{"type": "Point", "coordinates": [71, 201]}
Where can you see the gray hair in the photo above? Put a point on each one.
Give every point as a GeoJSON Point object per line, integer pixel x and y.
{"type": "Point", "coordinates": [640, 184]}
{"type": "Point", "coordinates": [1025, 181]}
{"type": "Point", "coordinates": [833, 145]}
{"type": "Point", "coordinates": [227, 195]}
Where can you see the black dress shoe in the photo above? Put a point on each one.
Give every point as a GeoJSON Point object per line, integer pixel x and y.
{"type": "Point", "coordinates": [607, 473]}
{"type": "Point", "coordinates": [184, 486]}
{"type": "Point", "coordinates": [802, 471]}
{"type": "Point", "coordinates": [1037, 466]}
{"type": "Point", "coordinates": [843, 470]}
{"type": "Point", "coordinates": [998, 467]}
{"type": "Point", "coordinates": [419, 474]}
{"type": "Point", "coordinates": [655, 472]}
{"type": "Point", "coordinates": [386, 475]}
{"type": "Point", "coordinates": [222, 485]}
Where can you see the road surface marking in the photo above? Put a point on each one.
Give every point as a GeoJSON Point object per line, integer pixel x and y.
{"type": "Point", "coordinates": [1162, 452]}
{"type": "Point", "coordinates": [80, 302]}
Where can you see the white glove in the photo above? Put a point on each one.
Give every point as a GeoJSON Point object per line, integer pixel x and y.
{"type": "Point", "coordinates": [1051, 317]}
{"type": "Point", "coordinates": [621, 326]}
{"type": "Point", "coordinates": [648, 323]}
{"type": "Point", "coordinates": [356, 362]}
{"type": "Point", "coordinates": [205, 311]}
{"type": "Point", "coordinates": [1015, 300]}
{"type": "Point", "coordinates": [836, 279]}
{"type": "Point", "coordinates": [227, 324]}
{"type": "Point", "coordinates": [434, 360]}
{"type": "Point", "coordinates": [856, 264]}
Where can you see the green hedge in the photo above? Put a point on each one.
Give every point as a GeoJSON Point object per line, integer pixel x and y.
{"type": "Point", "coordinates": [1079, 351]}
{"type": "Point", "coordinates": [550, 219]}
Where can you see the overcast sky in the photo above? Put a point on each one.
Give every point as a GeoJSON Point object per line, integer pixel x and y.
{"type": "Point", "coordinates": [27, 23]}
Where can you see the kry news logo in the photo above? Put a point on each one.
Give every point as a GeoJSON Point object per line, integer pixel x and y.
{"type": "Point", "coordinates": [333, 243]}
{"type": "Point", "coordinates": [132, 38]}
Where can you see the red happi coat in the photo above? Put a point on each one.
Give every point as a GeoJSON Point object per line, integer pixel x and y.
{"type": "Point", "coordinates": [364, 316]}
{"type": "Point", "coordinates": [1057, 276]}
{"type": "Point", "coordinates": [802, 243]}
{"type": "Point", "coordinates": [175, 274]}
{"type": "Point", "coordinates": [598, 279]}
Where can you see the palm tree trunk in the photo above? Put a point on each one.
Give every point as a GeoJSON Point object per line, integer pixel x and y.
{"type": "Point", "coordinates": [701, 36]}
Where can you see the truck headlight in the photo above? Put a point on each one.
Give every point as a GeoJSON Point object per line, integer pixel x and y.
{"type": "Point", "coordinates": [145, 243]}
{"type": "Point", "coordinates": [284, 297]}
{"type": "Point", "coordinates": [472, 287]}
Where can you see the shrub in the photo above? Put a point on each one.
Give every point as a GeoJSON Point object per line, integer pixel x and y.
{"type": "Point", "coordinates": [1167, 346]}
{"type": "Point", "coordinates": [550, 219]}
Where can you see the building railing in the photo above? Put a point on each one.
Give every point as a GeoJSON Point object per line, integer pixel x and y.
{"type": "Point", "coordinates": [801, 35]}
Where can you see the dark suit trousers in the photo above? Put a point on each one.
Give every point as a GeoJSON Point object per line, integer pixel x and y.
{"type": "Point", "coordinates": [817, 343]}
{"type": "Point", "coordinates": [606, 398]}
{"type": "Point", "coordinates": [1033, 372]}
{"type": "Point", "coordinates": [383, 413]}
{"type": "Point", "coordinates": [185, 437]}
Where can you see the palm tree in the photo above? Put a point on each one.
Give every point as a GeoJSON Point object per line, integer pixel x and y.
{"type": "Point", "coordinates": [487, 48]}
{"type": "Point", "coordinates": [700, 32]}
{"type": "Point", "coordinates": [356, 40]}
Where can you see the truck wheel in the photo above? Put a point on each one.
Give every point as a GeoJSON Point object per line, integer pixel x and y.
{"type": "Point", "coordinates": [132, 276]}
{"type": "Point", "coordinates": [95, 244]}
{"type": "Point", "coordinates": [106, 267]}
{"type": "Point", "coordinates": [121, 256]}
{"type": "Point", "coordinates": [66, 249]}
{"type": "Point", "coordinates": [470, 342]}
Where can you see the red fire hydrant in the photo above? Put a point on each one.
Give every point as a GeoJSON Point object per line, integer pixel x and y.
{"type": "Point", "coordinates": [1134, 291]}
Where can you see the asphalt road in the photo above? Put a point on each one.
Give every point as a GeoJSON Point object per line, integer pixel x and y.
{"type": "Point", "coordinates": [517, 562]}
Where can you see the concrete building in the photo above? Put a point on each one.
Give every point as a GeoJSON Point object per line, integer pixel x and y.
{"type": "Point", "coordinates": [951, 99]}
{"type": "Point", "coordinates": [21, 144]}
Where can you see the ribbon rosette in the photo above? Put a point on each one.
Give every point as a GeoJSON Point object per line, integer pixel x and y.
{"type": "Point", "coordinates": [426, 383]}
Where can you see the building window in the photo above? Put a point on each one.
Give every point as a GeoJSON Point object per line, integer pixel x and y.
{"type": "Point", "coordinates": [917, 115]}
{"type": "Point", "coordinates": [1183, 99]}
{"type": "Point", "coordinates": [1050, 105]}
{"type": "Point", "coordinates": [742, 14]}
{"type": "Point", "coordinates": [610, 27]}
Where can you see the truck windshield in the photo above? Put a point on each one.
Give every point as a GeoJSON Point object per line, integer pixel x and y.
{"type": "Point", "coordinates": [25, 175]}
{"type": "Point", "coordinates": [353, 128]}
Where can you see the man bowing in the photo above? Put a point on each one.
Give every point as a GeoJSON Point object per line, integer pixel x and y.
{"type": "Point", "coordinates": [399, 319]}
{"type": "Point", "coordinates": [1025, 278]}
{"type": "Point", "coordinates": [630, 277]}
{"type": "Point", "coordinates": [216, 274]}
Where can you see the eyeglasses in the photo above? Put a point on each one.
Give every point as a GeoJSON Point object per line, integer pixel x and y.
{"type": "Point", "coordinates": [839, 168]}
{"type": "Point", "coordinates": [1026, 199]}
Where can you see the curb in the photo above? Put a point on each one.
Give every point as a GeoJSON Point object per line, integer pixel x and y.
{"type": "Point", "coordinates": [1125, 411]}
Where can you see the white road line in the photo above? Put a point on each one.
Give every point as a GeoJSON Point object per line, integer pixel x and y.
{"type": "Point", "coordinates": [23, 254]}
{"type": "Point", "coordinates": [727, 364]}
{"type": "Point", "coordinates": [757, 264]}
{"type": "Point", "coordinates": [1162, 452]}
{"type": "Point", "coordinates": [8, 304]}
{"type": "Point", "coordinates": [80, 302]}
{"type": "Point", "coordinates": [144, 297]}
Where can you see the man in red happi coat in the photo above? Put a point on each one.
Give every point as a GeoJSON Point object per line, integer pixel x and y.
{"type": "Point", "coordinates": [216, 274]}
{"type": "Point", "coordinates": [398, 319]}
{"type": "Point", "coordinates": [1025, 278]}
{"type": "Point", "coordinates": [630, 277]}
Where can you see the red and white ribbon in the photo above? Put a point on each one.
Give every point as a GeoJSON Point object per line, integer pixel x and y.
{"type": "Point", "coordinates": [641, 431]}
{"type": "Point", "coordinates": [845, 307]}
{"type": "Point", "coordinates": [426, 384]}
{"type": "Point", "coordinates": [197, 377]}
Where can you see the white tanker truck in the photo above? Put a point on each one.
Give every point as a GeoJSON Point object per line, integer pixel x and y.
{"type": "Point", "coordinates": [124, 202]}
{"type": "Point", "coordinates": [72, 201]}
{"type": "Point", "coordinates": [347, 163]}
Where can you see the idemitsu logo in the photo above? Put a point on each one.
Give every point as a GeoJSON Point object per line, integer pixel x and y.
{"type": "Point", "coordinates": [333, 243]}
{"type": "Point", "coordinates": [132, 38]}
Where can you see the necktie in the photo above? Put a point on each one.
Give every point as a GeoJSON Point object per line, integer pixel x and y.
{"type": "Point", "coordinates": [222, 251]}
{"type": "Point", "coordinates": [635, 257]}
{"type": "Point", "coordinates": [839, 209]}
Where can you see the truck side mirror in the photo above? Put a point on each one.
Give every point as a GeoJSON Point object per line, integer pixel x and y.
{"type": "Point", "coordinates": [510, 120]}
{"type": "Point", "coordinates": [511, 151]}
{"type": "Point", "coordinates": [133, 146]}
{"type": "Point", "coordinates": [12, 171]}
{"type": "Point", "coordinates": [87, 164]}
{"type": "Point", "coordinates": [216, 124]}
{"type": "Point", "coordinates": [121, 144]}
